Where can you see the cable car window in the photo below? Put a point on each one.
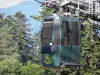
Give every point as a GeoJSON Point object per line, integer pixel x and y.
{"type": "Point", "coordinates": [57, 34]}
{"type": "Point", "coordinates": [46, 41]}
{"type": "Point", "coordinates": [47, 25]}
{"type": "Point", "coordinates": [47, 33]}
{"type": "Point", "coordinates": [75, 34]}
{"type": "Point", "coordinates": [48, 20]}
{"type": "Point", "coordinates": [66, 33]}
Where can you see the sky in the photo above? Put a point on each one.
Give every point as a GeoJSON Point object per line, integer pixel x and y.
{"type": "Point", "coordinates": [27, 7]}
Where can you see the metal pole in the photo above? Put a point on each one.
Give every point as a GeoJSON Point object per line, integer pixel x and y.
{"type": "Point", "coordinates": [78, 7]}
{"type": "Point", "coordinates": [71, 46]}
{"type": "Point", "coordinates": [89, 6]}
{"type": "Point", "coordinates": [78, 4]}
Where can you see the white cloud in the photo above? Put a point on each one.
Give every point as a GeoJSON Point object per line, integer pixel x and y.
{"type": "Point", "coordinates": [29, 0]}
{"type": "Point", "coordinates": [8, 3]}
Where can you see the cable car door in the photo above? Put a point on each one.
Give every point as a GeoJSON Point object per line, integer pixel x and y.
{"type": "Point", "coordinates": [66, 39]}
{"type": "Point", "coordinates": [50, 41]}
{"type": "Point", "coordinates": [70, 51]}
{"type": "Point", "coordinates": [75, 40]}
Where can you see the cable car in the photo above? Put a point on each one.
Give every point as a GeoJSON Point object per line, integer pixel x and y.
{"type": "Point", "coordinates": [60, 41]}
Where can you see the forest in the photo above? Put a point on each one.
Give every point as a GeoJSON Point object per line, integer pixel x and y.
{"type": "Point", "coordinates": [20, 51]}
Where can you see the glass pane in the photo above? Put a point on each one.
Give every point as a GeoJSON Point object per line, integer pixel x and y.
{"type": "Point", "coordinates": [46, 41]}
{"type": "Point", "coordinates": [47, 33]}
{"type": "Point", "coordinates": [66, 33]}
{"type": "Point", "coordinates": [47, 25]}
{"type": "Point", "coordinates": [48, 20]}
{"type": "Point", "coordinates": [74, 25]}
{"type": "Point", "coordinates": [75, 34]}
{"type": "Point", "coordinates": [57, 34]}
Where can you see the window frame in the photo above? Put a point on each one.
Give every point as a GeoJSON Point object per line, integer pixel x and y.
{"type": "Point", "coordinates": [77, 39]}
{"type": "Point", "coordinates": [47, 39]}
{"type": "Point", "coordinates": [68, 37]}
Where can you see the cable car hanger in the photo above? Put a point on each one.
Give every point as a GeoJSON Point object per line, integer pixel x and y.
{"type": "Point", "coordinates": [59, 7]}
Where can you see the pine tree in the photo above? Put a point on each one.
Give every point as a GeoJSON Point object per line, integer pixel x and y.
{"type": "Point", "coordinates": [36, 48]}
{"type": "Point", "coordinates": [22, 36]}
{"type": "Point", "coordinates": [14, 36]}
{"type": "Point", "coordinates": [7, 45]}
{"type": "Point", "coordinates": [90, 50]}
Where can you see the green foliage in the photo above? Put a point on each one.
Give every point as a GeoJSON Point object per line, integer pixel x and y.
{"type": "Point", "coordinates": [45, 11]}
{"type": "Point", "coordinates": [38, 18]}
{"type": "Point", "coordinates": [53, 71]}
{"type": "Point", "coordinates": [32, 69]}
{"type": "Point", "coordinates": [8, 46]}
{"type": "Point", "coordinates": [14, 35]}
{"type": "Point", "coordinates": [90, 50]}
{"type": "Point", "coordinates": [10, 66]}
{"type": "Point", "coordinates": [36, 48]}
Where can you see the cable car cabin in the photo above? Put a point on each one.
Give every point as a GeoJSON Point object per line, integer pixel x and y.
{"type": "Point", "coordinates": [60, 41]}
